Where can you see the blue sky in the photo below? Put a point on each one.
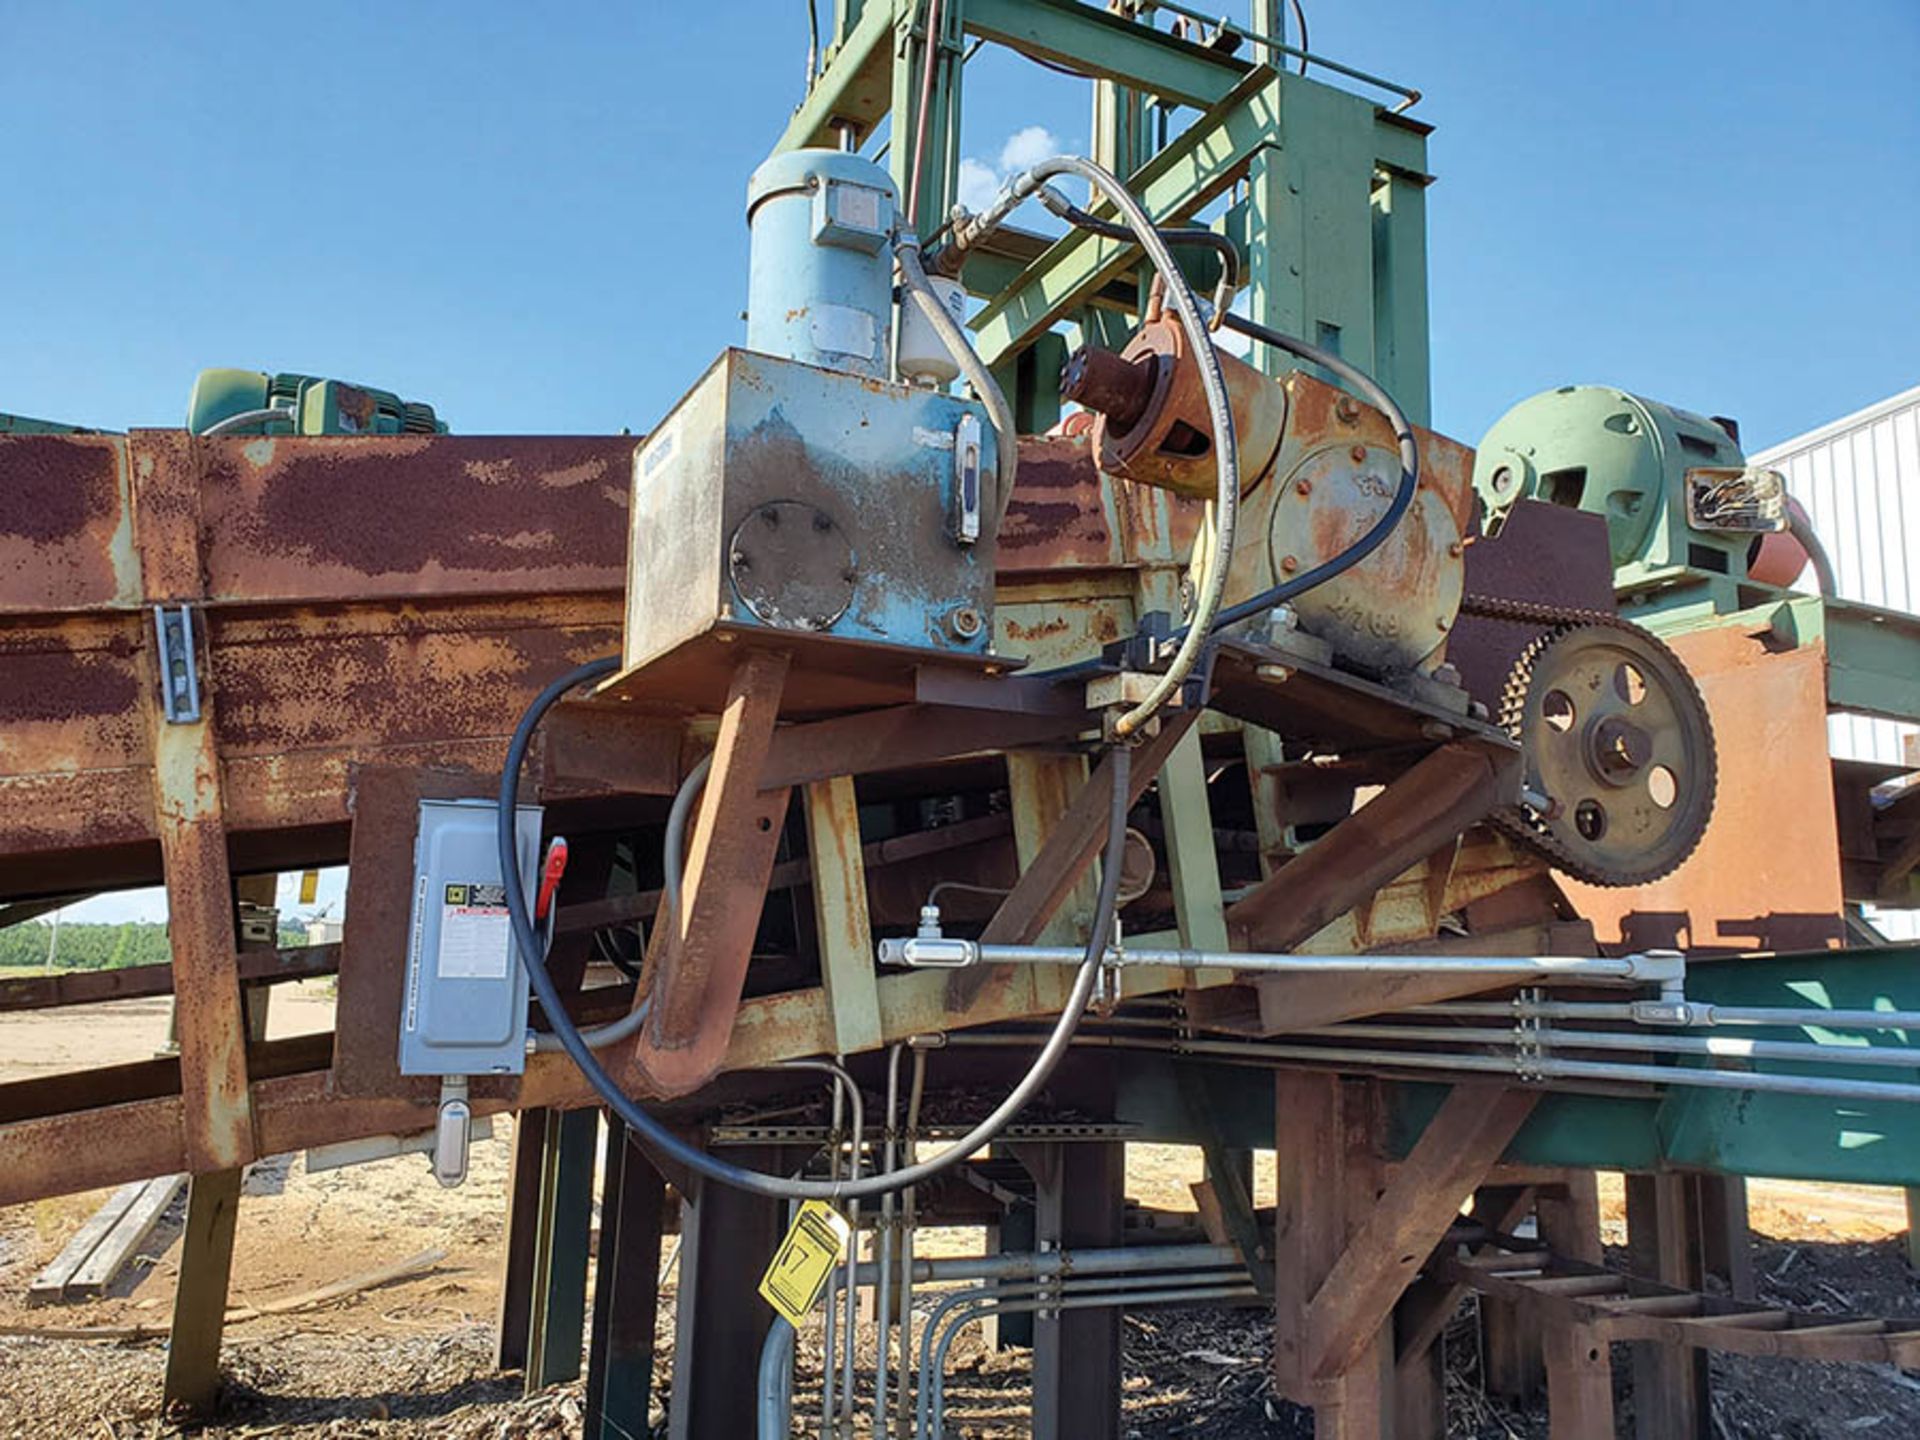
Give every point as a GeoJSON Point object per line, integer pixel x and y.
{"type": "Point", "coordinates": [531, 215]}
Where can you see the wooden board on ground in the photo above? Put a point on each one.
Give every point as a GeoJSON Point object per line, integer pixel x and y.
{"type": "Point", "coordinates": [101, 1248]}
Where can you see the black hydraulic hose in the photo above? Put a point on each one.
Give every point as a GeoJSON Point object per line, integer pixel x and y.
{"type": "Point", "coordinates": [1228, 252]}
{"type": "Point", "coordinates": [656, 1135]}
{"type": "Point", "coordinates": [1361, 548]}
{"type": "Point", "coordinates": [1402, 497]}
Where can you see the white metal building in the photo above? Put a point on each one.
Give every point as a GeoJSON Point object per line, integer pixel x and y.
{"type": "Point", "coordinates": [1859, 479]}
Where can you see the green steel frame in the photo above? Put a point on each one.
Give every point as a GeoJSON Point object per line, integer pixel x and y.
{"type": "Point", "coordinates": [1327, 186]}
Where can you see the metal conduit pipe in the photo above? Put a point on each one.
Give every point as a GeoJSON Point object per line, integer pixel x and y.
{"type": "Point", "coordinates": [1552, 1067]}
{"type": "Point", "coordinates": [856, 1136]}
{"type": "Point", "coordinates": [1195, 1295]}
{"type": "Point", "coordinates": [997, 1291]}
{"type": "Point", "coordinates": [910, 1201]}
{"type": "Point", "coordinates": [1730, 1047]}
{"type": "Point", "coordinates": [776, 1381]}
{"type": "Point", "coordinates": [1547, 1067]}
{"type": "Point", "coordinates": [883, 1307]}
{"type": "Point", "coordinates": [920, 952]}
{"type": "Point", "coordinates": [1028, 1264]}
{"type": "Point", "coordinates": [1697, 1013]}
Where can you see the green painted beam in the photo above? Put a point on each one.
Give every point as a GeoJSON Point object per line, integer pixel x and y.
{"type": "Point", "coordinates": [1726, 1132]}
{"type": "Point", "coordinates": [1873, 660]}
{"type": "Point", "coordinates": [855, 86]}
{"type": "Point", "coordinates": [1203, 162]}
{"type": "Point", "coordinates": [1094, 42]}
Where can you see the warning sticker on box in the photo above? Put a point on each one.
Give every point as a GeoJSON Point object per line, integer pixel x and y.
{"type": "Point", "coordinates": [476, 936]}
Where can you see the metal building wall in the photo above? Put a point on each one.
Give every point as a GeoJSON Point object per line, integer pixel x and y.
{"type": "Point", "coordinates": [1859, 478]}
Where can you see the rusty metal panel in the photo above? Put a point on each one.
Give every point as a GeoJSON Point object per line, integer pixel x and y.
{"type": "Point", "coordinates": [357, 517]}
{"type": "Point", "coordinates": [66, 523]}
{"type": "Point", "coordinates": [1766, 875]}
{"type": "Point", "coordinates": [1067, 516]}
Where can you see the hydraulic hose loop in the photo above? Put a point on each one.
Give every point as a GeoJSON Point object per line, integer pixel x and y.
{"type": "Point", "coordinates": [663, 1140]}
{"type": "Point", "coordinates": [1006, 460]}
{"type": "Point", "coordinates": [1377, 395]}
{"type": "Point", "coordinates": [1226, 449]}
{"type": "Point", "coordinates": [1140, 228]}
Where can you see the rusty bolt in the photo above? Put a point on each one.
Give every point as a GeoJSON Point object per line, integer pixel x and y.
{"type": "Point", "coordinates": [1442, 623]}
{"type": "Point", "coordinates": [1304, 487]}
{"type": "Point", "coordinates": [1348, 409]}
{"type": "Point", "coordinates": [822, 521]}
{"type": "Point", "coordinates": [1288, 564]}
{"type": "Point", "coordinates": [725, 637]}
{"type": "Point", "coordinates": [1359, 453]}
{"type": "Point", "coordinates": [965, 622]}
{"type": "Point", "coordinates": [1455, 549]}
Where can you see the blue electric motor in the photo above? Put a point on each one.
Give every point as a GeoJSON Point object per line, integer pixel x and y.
{"type": "Point", "coordinates": [821, 283]}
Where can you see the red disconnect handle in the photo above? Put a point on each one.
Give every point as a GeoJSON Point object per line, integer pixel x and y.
{"type": "Point", "coordinates": [550, 874]}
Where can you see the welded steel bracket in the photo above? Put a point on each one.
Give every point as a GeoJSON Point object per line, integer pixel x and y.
{"type": "Point", "coordinates": [179, 671]}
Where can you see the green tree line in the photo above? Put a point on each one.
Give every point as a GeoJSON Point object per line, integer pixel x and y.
{"type": "Point", "coordinates": [85, 946]}
{"type": "Point", "coordinates": [94, 946]}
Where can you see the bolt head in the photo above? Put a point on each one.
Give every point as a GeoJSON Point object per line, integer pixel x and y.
{"type": "Point", "coordinates": [1288, 564]}
{"type": "Point", "coordinates": [1304, 487]}
{"type": "Point", "coordinates": [1359, 453]}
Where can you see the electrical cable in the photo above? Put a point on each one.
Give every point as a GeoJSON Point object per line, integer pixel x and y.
{"type": "Point", "coordinates": [1228, 252]}
{"type": "Point", "coordinates": [1212, 383]}
{"type": "Point", "coordinates": [673, 849]}
{"type": "Point", "coordinates": [1006, 435]}
{"type": "Point", "coordinates": [1377, 395]}
{"type": "Point", "coordinates": [930, 45]}
{"type": "Point", "coordinates": [662, 1139]}
{"type": "Point", "coordinates": [248, 417]}
{"type": "Point", "coordinates": [1800, 527]}
{"type": "Point", "coordinates": [1300, 19]}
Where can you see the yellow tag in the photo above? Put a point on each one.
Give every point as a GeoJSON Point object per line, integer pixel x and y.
{"type": "Point", "coordinates": [309, 886]}
{"type": "Point", "coordinates": [814, 1244]}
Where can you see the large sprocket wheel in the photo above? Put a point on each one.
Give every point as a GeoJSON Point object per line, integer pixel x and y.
{"type": "Point", "coordinates": [1620, 764]}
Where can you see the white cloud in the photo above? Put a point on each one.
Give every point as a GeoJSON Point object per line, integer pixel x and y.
{"type": "Point", "coordinates": [980, 183]}
{"type": "Point", "coordinates": [1028, 148]}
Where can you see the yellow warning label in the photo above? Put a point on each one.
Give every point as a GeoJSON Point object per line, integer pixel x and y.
{"type": "Point", "coordinates": [815, 1241]}
{"type": "Point", "coordinates": [309, 886]}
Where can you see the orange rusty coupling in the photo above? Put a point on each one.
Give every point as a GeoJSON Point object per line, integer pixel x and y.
{"type": "Point", "coordinates": [1152, 425]}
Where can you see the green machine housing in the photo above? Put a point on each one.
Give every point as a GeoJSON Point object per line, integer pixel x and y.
{"type": "Point", "coordinates": [1682, 506]}
{"type": "Point", "coordinates": [314, 406]}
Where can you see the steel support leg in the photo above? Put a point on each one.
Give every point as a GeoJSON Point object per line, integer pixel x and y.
{"type": "Point", "coordinates": [626, 1296]}
{"type": "Point", "coordinates": [562, 1228]}
{"type": "Point", "coordinates": [1663, 1241]}
{"type": "Point", "coordinates": [1726, 1244]}
{"type": "Point", "coordinates": [1017, 1235]}
{"type": "Point", "coordinates": [726, 1239]}
{"type": "Point", "coordinates": [517, 1249]}
{"type": "Point", "coordinates": [192, 1383]}
{"type": "Point", "coordinates": [1081, 1193]}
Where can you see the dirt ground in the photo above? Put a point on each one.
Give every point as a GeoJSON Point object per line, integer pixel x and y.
{"type": "Point", "coordinates": [413, 1358]}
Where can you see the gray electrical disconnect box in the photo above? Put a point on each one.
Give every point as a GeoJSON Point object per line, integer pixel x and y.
{"type": "Point", "coordinates": [466, 996]}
